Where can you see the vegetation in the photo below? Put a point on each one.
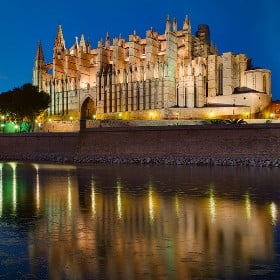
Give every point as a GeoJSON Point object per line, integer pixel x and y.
{"type": "Point", "coordinates": [24, 101]}
{"type": "Point", "coordinates": [214, 121]}
{"type": "Point", "coordinates": [227, 121]}
{"type": "Point", "coordinates": [20, 107]}
{"type": "Point", "coordinates": [235, 121]}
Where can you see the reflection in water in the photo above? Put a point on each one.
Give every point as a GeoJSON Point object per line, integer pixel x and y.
{"type": "Point", "coordinates": [248, 206]}
{"type": "Point", "coordinates": [273, 211]}
{"type": "Point", "coordinates": [69, 194]}
{"type": "Point", "coordinates": [14, 166]}
{"type": "Point", "coordinates": [119, 199]}
{"type": "Point", "coordinates": [151, 204]}
{"type": "Point", "coordinates": [212, 205]}
{"type": "Point", "coordinates": [93, 204]}
{"type": "Point", "coordinates": [139, 223]}
{"type": "Point", "coordinates": [36, 166]}
{"type": "Point", "coordinates": [177, 205]}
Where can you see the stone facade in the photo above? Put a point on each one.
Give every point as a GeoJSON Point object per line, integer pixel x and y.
{"type": "Point", "coordinates": [148, 76]}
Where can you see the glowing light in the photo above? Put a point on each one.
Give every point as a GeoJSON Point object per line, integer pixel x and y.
{"type": "Point", "coordinates": [2, 125]}
{"type": "Point", "coordinates": [2, 117]}
{"type": "Point", "coordinates": [151, 204]}
{"type": "Point", "coordinates": [69, 195]}
{"type": "Point", "coordinates": [37, 187]}
{"type": "Point", "coordinates": [177, 206]}
{"type": "Point", "coordinates": [93, 203]}
{"type": "Point", "coordinates": [272, 115]}
{"type": "Point", "coordinates": [16, 126]}
{"type": "Point", "coordinates": [151, 114]}
{"type": "Point", "coordinates": [49, 120]}
{"type": "Point", "coordinates": [212, 205]}
{"type": "Point", "coordinates": [14, 166]}
{"type": "Point", "coordinates": [1, 189]}
{"type": "Point", "coordinates": [71, 118]}
{"type": "Point", "coordinates": [94, 117]}
{"type": "Point", "coordinates": [211, 115]}
{"type": "Point", "coordinates": [273, 213]}
{"type": "Point", "coordinates": [120, 115]}
{"type": "Point", "coordinates": [248, 206]}
{"type": "Point", "coordinates": [119, 199]}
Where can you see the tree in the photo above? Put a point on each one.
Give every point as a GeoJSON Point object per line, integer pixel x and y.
{"type": "Point", "coordinates": [24, 101]}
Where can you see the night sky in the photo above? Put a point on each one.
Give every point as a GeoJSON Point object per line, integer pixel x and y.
{"type": "Point", "coordinates": [241, 26]}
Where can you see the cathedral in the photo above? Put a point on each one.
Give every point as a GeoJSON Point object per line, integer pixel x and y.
{"type": "Point", "coordinates": [173, 75]}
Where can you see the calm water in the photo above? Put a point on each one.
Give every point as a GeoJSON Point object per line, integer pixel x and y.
{"type": "Point", "coordinates": [138, 222]}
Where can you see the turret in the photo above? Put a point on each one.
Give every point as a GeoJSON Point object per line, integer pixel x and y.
{"type": "Point", "coordinates": [38, 67]}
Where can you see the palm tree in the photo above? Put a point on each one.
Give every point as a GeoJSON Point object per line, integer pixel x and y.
{"type": "Point", "coordinates": [235, 121]}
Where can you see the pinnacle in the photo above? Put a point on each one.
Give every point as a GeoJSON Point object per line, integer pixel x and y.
{"type": "Point", "coordinates": [40, 54]}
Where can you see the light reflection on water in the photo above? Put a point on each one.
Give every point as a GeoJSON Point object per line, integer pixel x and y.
{"type": "Point", "coordinates": [138, 222]}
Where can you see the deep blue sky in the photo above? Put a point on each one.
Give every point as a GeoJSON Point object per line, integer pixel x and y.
{"type": "Point", "coordinates": [240, 26]}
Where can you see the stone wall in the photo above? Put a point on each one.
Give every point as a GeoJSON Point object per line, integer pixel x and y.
{"type": "Point", "coordinates": [245, 141]}
{"type": "Point", "coordinates": [74, 126]}
{"type": "Point", "coordinates": [191, 141]}
{"type": "Point", "coordinates": [61, 126]}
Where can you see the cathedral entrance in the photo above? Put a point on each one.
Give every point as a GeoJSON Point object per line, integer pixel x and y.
{"type": "Point", "coordinates": [88, 109]}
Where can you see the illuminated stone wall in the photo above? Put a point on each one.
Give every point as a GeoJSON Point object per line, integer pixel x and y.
{"type": "Point", "coordinates": [158, 72]}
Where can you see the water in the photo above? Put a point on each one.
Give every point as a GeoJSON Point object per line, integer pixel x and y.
{"type": "Point", "coordinates": [138, 222]}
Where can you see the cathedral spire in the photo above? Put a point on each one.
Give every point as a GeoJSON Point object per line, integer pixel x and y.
{"type": "Point", "coordinates": [38, 67]}
{"type": "Point", "coordinates": [40, 54]}
{"type": "Point", "coordinates": [59, 40]}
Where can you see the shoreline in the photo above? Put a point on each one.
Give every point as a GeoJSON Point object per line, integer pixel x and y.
{"type": "Point", "coordinates": [146, 160]}
{"type": "Point", "coordinates": [236, 145]}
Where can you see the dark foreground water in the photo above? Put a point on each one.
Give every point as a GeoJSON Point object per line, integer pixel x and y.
{"type": "Point", "coordinates": [138, 222]}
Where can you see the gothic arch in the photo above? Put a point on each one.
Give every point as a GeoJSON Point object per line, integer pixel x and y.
{"type": "Point", "coordinates": [88, 109]}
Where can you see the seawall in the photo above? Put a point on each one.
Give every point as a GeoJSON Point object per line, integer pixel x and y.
{"type": "Point", "coordinates": [256, 145]}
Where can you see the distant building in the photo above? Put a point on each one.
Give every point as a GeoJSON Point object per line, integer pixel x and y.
{"type": "Point", "coordinates": [162, 76]}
